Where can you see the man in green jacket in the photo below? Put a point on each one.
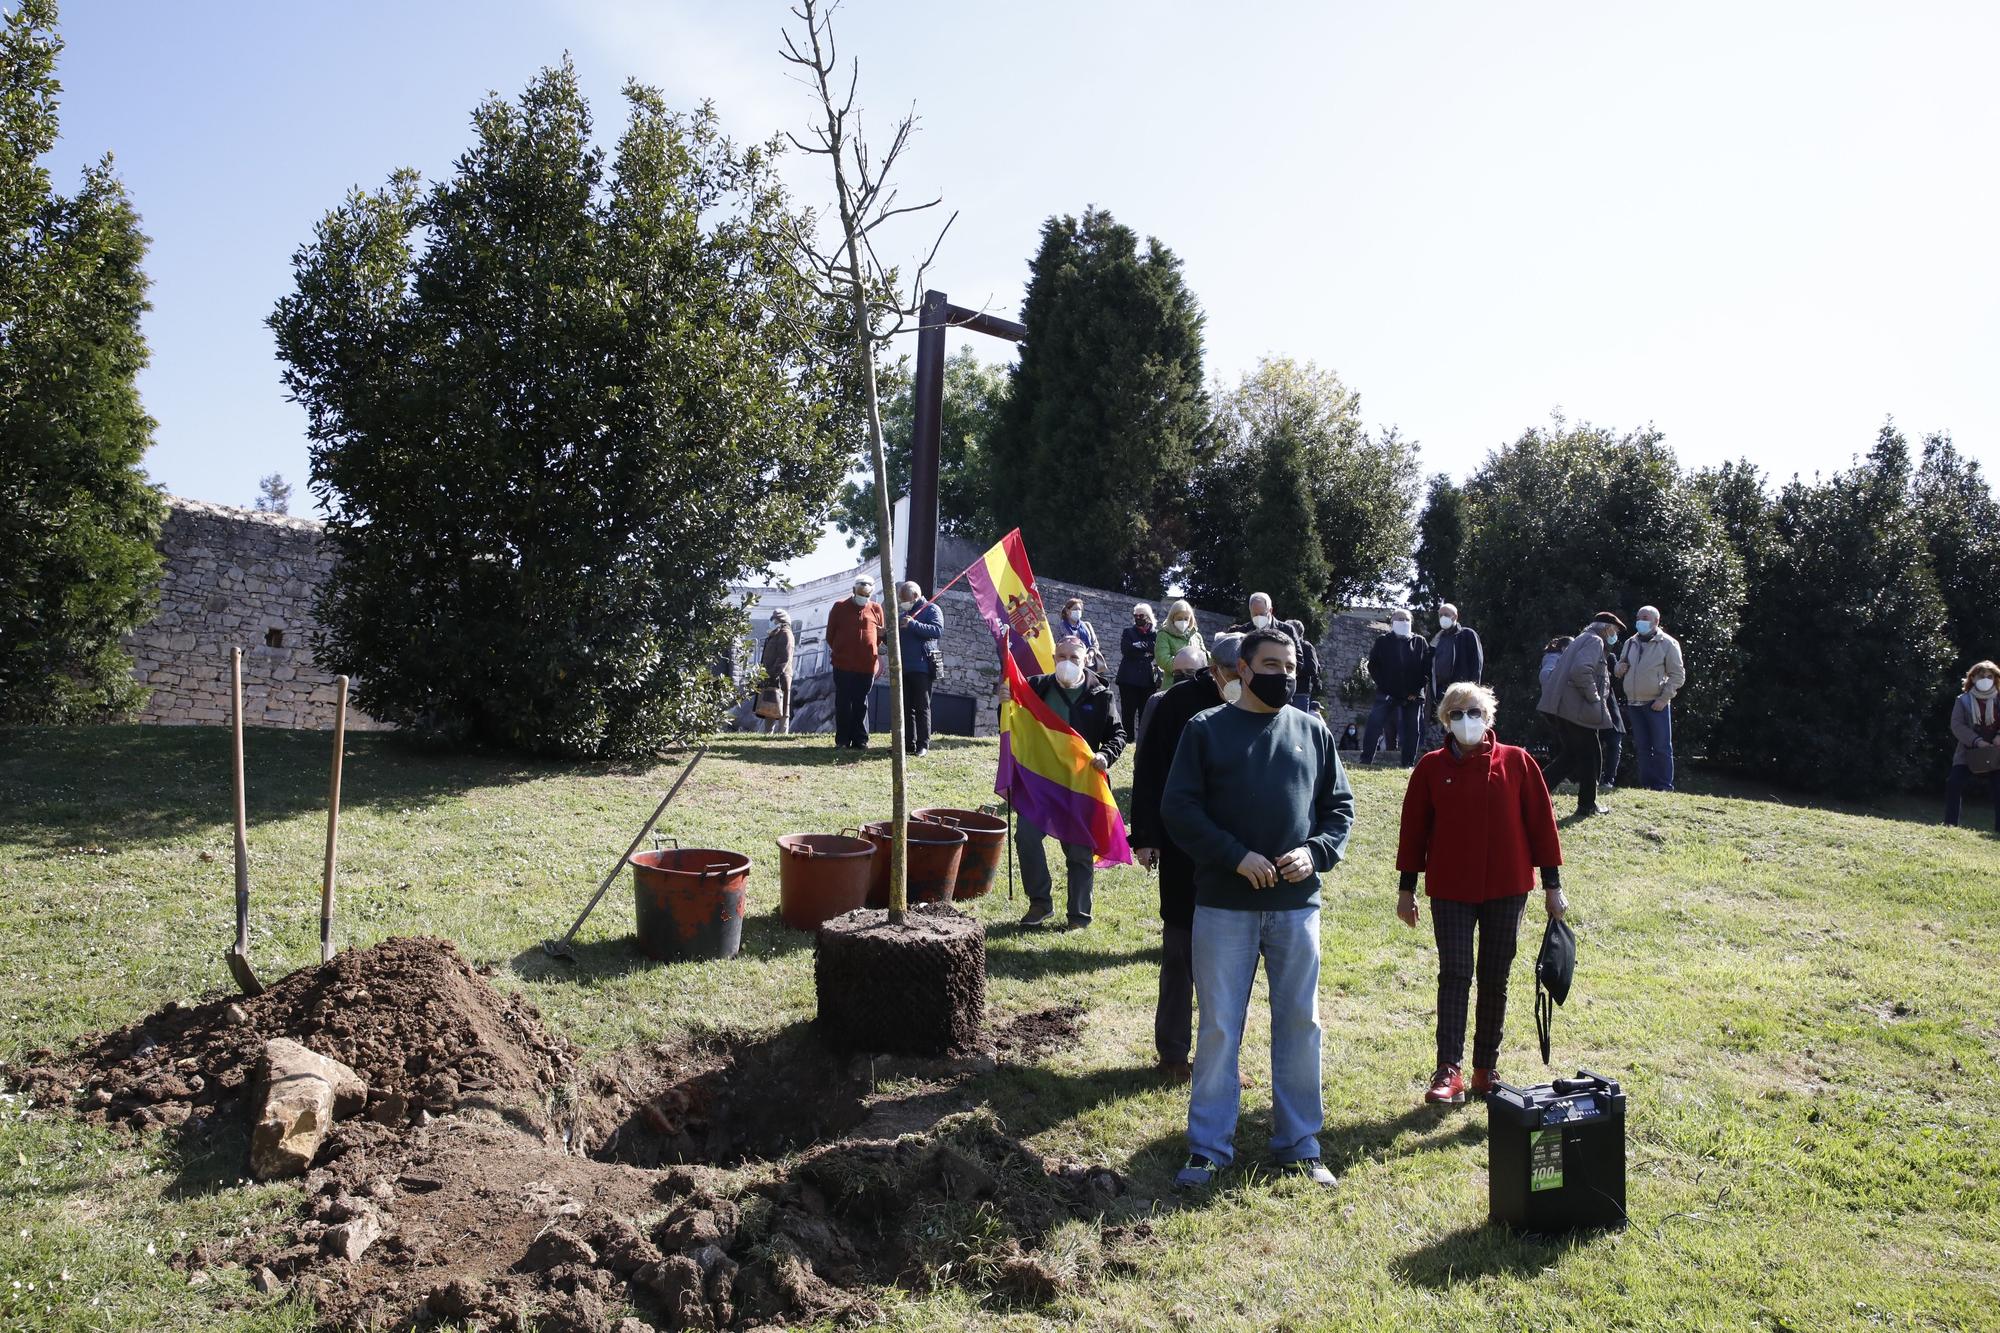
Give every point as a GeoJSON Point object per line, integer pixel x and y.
{"type": "Point", "coordinates": [1257, 799]}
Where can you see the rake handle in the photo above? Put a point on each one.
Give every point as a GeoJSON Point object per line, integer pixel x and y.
{"type": "Point", "coordinates": [242, 820]}
{"type": "Point", "coordinates": [332, 823]}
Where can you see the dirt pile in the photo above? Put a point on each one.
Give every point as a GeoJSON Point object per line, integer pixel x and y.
{"type": "Point", "coordinates": [1038, 1034]}
{"type": "Point", "coordinates": [410, 1016]}
{"type": "Point", "coordinates": [470, 1219]}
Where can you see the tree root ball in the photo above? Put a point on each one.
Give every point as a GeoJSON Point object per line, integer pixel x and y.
{"type": "Point", "coordinates": [914, 989]}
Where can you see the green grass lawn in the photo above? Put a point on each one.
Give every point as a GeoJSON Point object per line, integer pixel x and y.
{"type": "Point", "coordinates": [1801, 1001]}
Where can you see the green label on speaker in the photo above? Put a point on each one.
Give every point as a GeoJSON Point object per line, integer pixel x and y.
{"type": "Point", "coordinates": [1545, 1159]}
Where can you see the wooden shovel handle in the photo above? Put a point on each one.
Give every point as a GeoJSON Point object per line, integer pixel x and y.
{"type": "Point", "coordinates": [332, 823]}
{"type": "Point", "coordinates": [242, 821]}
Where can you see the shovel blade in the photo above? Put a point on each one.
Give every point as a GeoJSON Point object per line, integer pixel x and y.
{"type": "Point", "coordinates": [246, 979]}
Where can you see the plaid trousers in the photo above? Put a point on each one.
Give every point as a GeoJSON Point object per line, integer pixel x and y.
{"type": "Point", "coordinates": [1499, 924]}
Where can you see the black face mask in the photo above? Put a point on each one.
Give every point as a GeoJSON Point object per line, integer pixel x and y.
{"type": "Point", "coordinates": [1272, 688]}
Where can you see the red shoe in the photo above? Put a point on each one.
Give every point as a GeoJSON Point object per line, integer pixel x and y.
{"type": "Point", "coordinates": [1447, 1087]}
{"type": "Point", "coordinates": [1484, 1081]}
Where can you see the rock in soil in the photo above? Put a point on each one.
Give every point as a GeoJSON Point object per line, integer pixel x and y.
{"type": "Point", "coordinates": [300, 1094]}
{"type": "Point", "coordinates": [914, 989]}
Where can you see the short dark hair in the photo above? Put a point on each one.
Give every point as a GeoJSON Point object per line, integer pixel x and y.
{"type": "Point", "coordinates": [1246, 651]}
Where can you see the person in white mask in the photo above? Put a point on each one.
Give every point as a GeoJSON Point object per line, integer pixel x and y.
{"type": "Point", "coordinates": [1477, 824]}
{"type": "Point", "coordinates": [1399, 664]}
{"type": "Point", "coordinates": [1652, 671]}
{"type": "Point", "coordinates": [854, 628]}
{"type": "Point", "coordinates": [1975, 725]}
{"type": "Point", "coordinates": [1080, 699]}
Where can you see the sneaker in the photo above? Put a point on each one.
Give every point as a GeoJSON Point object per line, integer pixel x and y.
{"type": "Point", "coordinates": [1447, 1087]}
{"type": "Point", "coordinates": [1198, 1173]}
{"type": "Point", "coordinates": [1037, 915]}
{"type": "Point", "coordinates": [1483, 1082]}
{"type": "Point", "coordinates": [1311, 1168]}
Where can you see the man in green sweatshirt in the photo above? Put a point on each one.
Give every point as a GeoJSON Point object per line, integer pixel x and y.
{"type": "Point", "coordinates": [1258, 800]}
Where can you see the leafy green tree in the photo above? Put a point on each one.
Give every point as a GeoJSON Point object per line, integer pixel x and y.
{"type": "Point", "coordinates": [973, 394]}
{"type": "Point", "coordinates": [1297, 499]}
{"type": "Point", "coordinates": [274, 495]}
{"type": "Point", "coordinates": [1440, 546]}
{"type": "Point", "coordinates": [1961, 526]}
{"type": "Point", "coordinates": [558, 405]}
{"type": "Point", "coordinates": [1843, 641]}
{"type": "Point", "coordinates": [1105, 412]}
{"type": "Point", "coordinates": [78, 522]}
{"type": "Point", "coordinates": [1737, 496]}
{"type": "Point", "coordinates": [1570, 519]}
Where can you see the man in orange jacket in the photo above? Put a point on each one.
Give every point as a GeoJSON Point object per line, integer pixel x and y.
{"type": "Point", "coordinates": [854, 641]}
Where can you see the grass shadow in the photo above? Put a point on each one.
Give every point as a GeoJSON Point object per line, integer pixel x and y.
{"type": "Point", "coordinates": [134, 785]}
{"type": "Point", "coordinates": [591, 961]}
{"type": "Point", "coordinates": [1485, 1250]}
{"type": "Point", "coordinates": [1026, 964]}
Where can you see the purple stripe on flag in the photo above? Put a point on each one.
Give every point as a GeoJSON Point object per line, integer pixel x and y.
{"type": "Point", "coordinates": [1053, 808]}
{"type": "Point", "coordinates": [987, 598]}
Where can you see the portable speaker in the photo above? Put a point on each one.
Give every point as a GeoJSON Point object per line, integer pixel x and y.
{"type": "Point", "coordinates": [1556, 1154]}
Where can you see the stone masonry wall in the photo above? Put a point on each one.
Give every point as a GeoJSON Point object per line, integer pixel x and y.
{"type": "Point", "coordinates": [234, 577]}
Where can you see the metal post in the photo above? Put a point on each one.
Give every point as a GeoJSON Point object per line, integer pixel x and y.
{"type": "Point", "coordinates": [1010, 849]}
{"type": "Point", "coordinates": [920, 562]}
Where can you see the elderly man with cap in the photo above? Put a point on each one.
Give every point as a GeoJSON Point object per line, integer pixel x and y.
{"type": "Point", "coordinates": [1576, 698]}
{"type": "Point", "coordinates": [1171, 711]}
{"type": "Point", "coordinates": [854, 641]}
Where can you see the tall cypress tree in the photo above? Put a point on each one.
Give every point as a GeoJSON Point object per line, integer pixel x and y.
{"type": "Point", "coordinates": [1440, 544]}
{"type": "Point", "coordinates": [78, 566]}
{"type": "Point", "coordinates": [1106, 413]}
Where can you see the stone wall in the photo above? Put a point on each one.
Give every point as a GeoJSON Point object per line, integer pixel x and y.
{"type": "Point", "coordinates": [236, 577]}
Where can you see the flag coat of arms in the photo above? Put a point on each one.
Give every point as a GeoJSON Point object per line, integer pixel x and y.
{"type": "Point", "coordinates": [1045, 767]}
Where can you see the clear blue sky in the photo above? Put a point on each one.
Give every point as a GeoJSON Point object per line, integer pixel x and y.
{"type": "Point", "coordinates": [1760, 227]}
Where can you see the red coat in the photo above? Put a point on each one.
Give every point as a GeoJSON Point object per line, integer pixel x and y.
{"type": "Point", "coordinates": [854, 635]}
{"type": "Point", "coordinates": [1477, 826]}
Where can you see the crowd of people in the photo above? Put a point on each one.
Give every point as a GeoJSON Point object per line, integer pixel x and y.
{"type": "Point", "coordinates": [1240, 802]}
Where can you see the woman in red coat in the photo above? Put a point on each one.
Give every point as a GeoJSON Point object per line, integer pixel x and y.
{"type": "Point", "coordinates": [1476, 825]}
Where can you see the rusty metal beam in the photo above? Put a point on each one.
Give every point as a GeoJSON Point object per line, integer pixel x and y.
{"type": "Point", "coordinates": [978, 321]}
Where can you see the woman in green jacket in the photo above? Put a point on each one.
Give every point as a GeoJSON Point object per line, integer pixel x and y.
{"type": "Point", "coordinates": [1176, 633]}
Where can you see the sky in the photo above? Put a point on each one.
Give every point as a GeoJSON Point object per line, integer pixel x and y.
{"type": "Point", "coordinates": [1762, 229]}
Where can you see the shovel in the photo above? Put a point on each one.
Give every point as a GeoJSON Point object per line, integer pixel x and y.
{"type": "Point", "coordinates": [560, 948]}
{"type": "Point", "coordinates": [332, 824]}
{"type": "Point", "coordinates": [238, 956]}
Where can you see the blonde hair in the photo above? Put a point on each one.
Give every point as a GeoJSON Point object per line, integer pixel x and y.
{"type": "Point", "coordinates": [1464, 693]}
{"type": "Point", "coordinates": [1180, 608]}
{"type": "Point", "coordinates": [1979, 669]}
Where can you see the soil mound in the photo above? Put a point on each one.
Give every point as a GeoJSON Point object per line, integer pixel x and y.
{"type": "Point", "coordinates": [470, 1219]}
{"type": "Point", "coordinates": [1034, 1036]}
{"type": "Point", "coordinates": [409, 1015]}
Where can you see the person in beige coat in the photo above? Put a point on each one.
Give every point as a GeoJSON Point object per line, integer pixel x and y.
{"type": "Point", "coordinates": [1652, 672]}
{"type": "Point", "coordinates": [1975, 726]}
{"type": "Point", "coordinates": [1576, 699]}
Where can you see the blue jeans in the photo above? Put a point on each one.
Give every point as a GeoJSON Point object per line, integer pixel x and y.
{"type": "Point", "coordinates": [1653, 745]}
{"type": "Point", "coordinates": [1226, 947]}
{"type": "Point", "coordinates": [1410, 725]}
{"type": "Point", "coordinates": [1080, 859]}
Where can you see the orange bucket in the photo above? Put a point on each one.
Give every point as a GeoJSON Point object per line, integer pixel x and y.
{"type": "Point", "coordinates": [932, 870]}
{"type": "Point", "coordinates": [820, 876]}
{"type": "Point", "coordinates": [985, 843]}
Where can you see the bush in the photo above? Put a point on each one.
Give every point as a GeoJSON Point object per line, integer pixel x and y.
{"type": "Point", "coordinates": [556, 410]}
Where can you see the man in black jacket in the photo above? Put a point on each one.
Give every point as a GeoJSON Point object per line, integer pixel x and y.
{"type": "Point", "coordinates": [1456, 653]}
{"type": "Point", "coordinates": [1082, 700]}
{"type": "Point", "coordinates": [1399, 663]}
{"type": "Point", "coordinates": [1173, 1016]}
{"type": "Point", "coordinates": [1263, 616]}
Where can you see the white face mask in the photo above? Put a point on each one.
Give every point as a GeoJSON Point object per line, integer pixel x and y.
{"type": "Point", "coordinates": [1261, 622]}
{"type": "Point", "coordinates": [1446, 622]}
{"type": "Point", "coordinates": [1182, 624]}
{"type": "Point", "coordinates": [1643, 626]}
{"type": "Point", "coordinates": [1984, 685]}
{"type": "Point", "coordinates": [1400, 628]}
{"type": "Point", "coordinates": [1069, 673]}
{"type": "Point", "coordinates": [861, 599]}
{"type": "Point", "coordinates": [1073, 617]}
{"type": "Point", "coordinates": [1232, 691]}
{"type": "Point", "coordinates": [908, 604]}
{"type": "Point", "coordinates": [1469, 731]}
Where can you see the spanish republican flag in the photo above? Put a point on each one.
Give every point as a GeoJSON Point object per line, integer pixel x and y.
{"type": "Point", "coordinates": [1045, 768]}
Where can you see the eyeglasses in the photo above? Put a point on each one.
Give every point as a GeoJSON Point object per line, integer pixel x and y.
{"type": "Point", "coordinates": [1458, 714]}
